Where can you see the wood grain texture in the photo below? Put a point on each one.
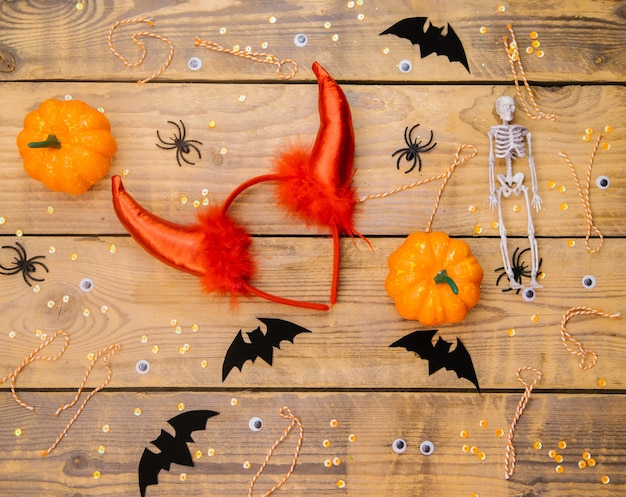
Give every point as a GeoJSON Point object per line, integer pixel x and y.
{"type": "Point", "coordinates": [344, 369]}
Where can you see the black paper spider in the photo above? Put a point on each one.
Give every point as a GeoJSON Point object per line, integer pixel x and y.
{"type": "Point", "coordinates": [23, 264]}
{"type": "Point", "coordinates": [519, 268]}
{"type": "Point", "coordinates": [182, 146]}
{"type": "Point", "coordinates": [412, 152]}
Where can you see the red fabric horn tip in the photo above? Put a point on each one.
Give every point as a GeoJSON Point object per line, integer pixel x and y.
{"type": "Point", "coordinates": [316, 184]}
{"type": "Point", "coordinates": [215, 248]}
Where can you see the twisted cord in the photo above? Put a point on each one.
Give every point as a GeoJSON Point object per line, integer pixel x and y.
{"type": "Point", "coordinates": [32, 357]}
{"type": "Point", "coordinates": [580, 349]}
{"type": "Point", "coordinates": [135, 37]}
{"type": "Point", "coordinates": [509, 456]}
{"type": "Point", "coordinates": [445, 176]}
{"type": "Point", "coordinates": [262, 57]}
{"type": "Point", "coordinates": [584, 196]}
{"type": "Point", "coordinates": [107, 352]}
{"type": "Point", "coordinates": [514, 59]}
{"type": "Point", "coordinates": [286, 413]}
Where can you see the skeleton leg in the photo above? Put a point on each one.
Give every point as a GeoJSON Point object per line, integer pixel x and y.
{"type": "Point", "coordinates": [503, 244]}
{"type": "Point", "coordinates": [534, 251]}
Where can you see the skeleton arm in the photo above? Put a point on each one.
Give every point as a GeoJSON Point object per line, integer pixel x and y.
{"type": "Point", "coordinates": [493, 200]}
{"type": "Point", "coordinates": [536, 201]}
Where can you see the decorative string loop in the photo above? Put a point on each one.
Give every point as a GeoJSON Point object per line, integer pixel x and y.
{"type": "Point", "coordinates": [514, 59]}
{"type": "Point", "coordinates": [136, 38]}
{"type": "Point", "coordinates": [32, 357]}
{"type": "Point", "coordinates": [445, 176]}
{"type": "Point", "coordinates": [262, 57]}
{"type": "Point", "coordinates": [107, 352]}
{"type": "Point", "coordinates": [509, 456]}
{"type": "Point", "coordinates": [580, 349]}
{"type": "Point", "coordinates": [286, 413]}
{"type": "Point", "coordinates": [584, 196]}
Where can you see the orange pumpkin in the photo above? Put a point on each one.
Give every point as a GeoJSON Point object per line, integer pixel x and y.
{"type": "Point", "coordinates": [67, 145]}
{"type": "Point", "coordinates": [433, 278]}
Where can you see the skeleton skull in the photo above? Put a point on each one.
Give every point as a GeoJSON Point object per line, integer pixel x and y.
{"type": "Point", "coordinates": [505, 107]}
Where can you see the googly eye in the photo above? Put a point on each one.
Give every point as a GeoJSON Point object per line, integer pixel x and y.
{"type": "Point", "coordinates": [405, 66]}
{"type": "Point", "coordinates": [142, 366]}
{"type": "Point", "coordinates": [589, 281]}
{"type": "Point", "coordinates": [255, 424]}
{"type": "Point", "coordinates": [194, 63]}
{"type": "Point", "coordinates": [86, 285]}
{"type": "Point", "coordinates": [427, 447]}
{"type": "Point", "coordinates": [398, 446]}
{"type": "Point", "coordinates": [300, 40]}
{"type": "Point", "coordinates": [529, 294]}
{"type": "Point", "coordinates": [603, 182]}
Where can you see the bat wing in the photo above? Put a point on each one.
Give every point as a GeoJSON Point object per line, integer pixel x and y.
{"type": "Point", "coordinates": [150, 465]}
{"type": "Point", "coordinates": [261, 344]}
{"type": "Point", "coordinates": [190, 421]}
{"type": "Point", "coordinates": [460, 361]}
{"type": "Point", "coordinates": [237, 354]}
{"type": "Point", "coordinates": [420, 342]}
{"type": "Point", "coordinates": [431, 40]}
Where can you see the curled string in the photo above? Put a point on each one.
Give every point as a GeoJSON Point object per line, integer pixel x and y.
{"type": "Point", "coordinates": [107, 352]}
{"type": "Point", "coordinates": [262, 57]}
{"type": "Point", "coordinates": [32, 357]}
{"type": "Point", "coordinates": [286, 413]}
{"type": "Point", "coordinates": [509, 456]}
{"type": "Point", "coordinates": [580, 350]}
{"type": "Point", "coordinates": [584, 196]}
{"type": "Point", "coordinates": [136, 38]}
{"type": "Point", "coordinates": [514, 59]}
{"type": "Point", "coordinates": [445, 176]}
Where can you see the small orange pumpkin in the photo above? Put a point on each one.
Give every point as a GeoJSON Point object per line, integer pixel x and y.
{"type": "Point", "coordinates": [67, 145]}
{"type": "Point", "coordinates": [433, 278]}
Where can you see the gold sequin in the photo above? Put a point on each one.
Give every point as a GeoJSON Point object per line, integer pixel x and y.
{"type": "Point", "coordinates": [194, 328]}
{"type": "Point", "coordinates": [180, 406]}
{"type": "Point", "coordinates": [144, 338]}
{"type": "Point", "coordinates": [198, 454]}
{"type": "Point", "coordinates": [559, 469]}
{"type": "Point", "coordinates": [350, 4]}
{"type": "Point", "coordinates": [86, 312]}
{"type": "Point", "coordinates": [474, 449]}
{"type": "Point", "coordinates": [113, 249]}
{"type": "Point", "coordinates": [90, 356]}
{"type": "Point", "coordinates": [50, 304]}
{"type": "Point", "coordinates": [483, 30]}
{"type": "Point", "coordinates": [537, 445]}
{"type": "Point", "coordinates": [101, 449]}
{"type": "Point", "coordinates": [337, 461]}
{"type": "Point", "coordinates": [125, 172]}
{"type": "Point", "coordinates": [52, 249]}
{"type": "Point", "coordinates": [495, 225]}
{"type": "Point", "coordinates": [327, 25]}
{"type": "Point", "coordinates": [551, 184]}
{"type": "Point", "coordinates": [562, 444]}
{"type": "Point", "coordinates": [352, 437]}
{"type": "Point", "coordinates": [482, 456]}
{"type": "Point", "coordinates": [326, 443]}
{"type": "Point", "coordinates": [106, 428]}
{"type": "Point", "coordinates": [210, 452]}
{"type": "Point", "coordinates": [334, 423]}
{"type": "Point", "coordinates": [586, 138]}
{"type": "Point", "coordinates": [335, 37]}
{"type": "Point", "coordinates": [606, 146]}
{"type": "Point", "coordinates": [534, 318]}
{"type": "Point", "coordinates": [463, 434]}
{"type": "Point", "coordinates": [12, 334]}
{"type": "Point", "coordinates": [477, 230]}
{"type": "Point", "coordinates": [360, 17]}
{"type": "Point", "coordinates": [552, 454]}
{"type": "Point", "coordinates": [137, 411]}
{"type": "Point", "coordinates": [558, 458]}
{"type": "Point", "coordinates": [246, 465]}
{"type": "Point", "coordinates": [540, 53]}
{"type": "Point", "coordinates": [571, 243]}
{"type": "Point", "coordinates": [591, 462]}
{"type": "Point", "coordinates": [466, 448]}
{"type": "Point", "coordinates": [155, 349]}
{"type": "Point", "coordinates": [386, 51]}
{"type": "Point", "coordinates": [501, 8]}
{"type": "Point", "coordinates": [73, 256]}
{"type": "Point", "coordinates": [178, 330]}
{"type": "Point", "coordinates": [586, 455]}
{"type": "Point", "coordinates": [18, 432]}
{"type": "Point", "coordinates": [534, 35]}
{"type": "Point", "coordinates": [564, 206]}
{"type": "Point", "coordinates": [272, 19]}
{"type": "Point", "coordinates": [511, 332]}
{"type": "Point", "coordinates": [605, 479]}
{"type": "Point", "coordinates": [50, 209]}
{"type": "Point", "coordinates": [204, 364]}
{"type": "Point", "coordinates": [328, 463]}
{"type": "Point", "coordinates": [582, 464]}
{"type": "Point", "coordinates": [340, 484]}
{"type": "Point", "coordinates": [499, 432]}
{"type": "Point", "coordinates": [536, 43]}
{"type": "Point", "coordinates": [483, 423]}
{"type": "Point", "coordinates": [80, 6]}
{"type": "Point", "coordinates": [589, 131]}
{"type": "Point", "coordinates": [608, 128]}
{"type": "Point", "coordinates": [562, 189]}
{"type": "Point", "coordinates": [104, 309]}
{"type": "Point", "coordinates": [529, 50]}
{"type": "Point", "coordinates": [234, 402]}
{"type": "Point", "coordinates": [183, 477]}
{"type": "Point", "coordinates": [516, 208]}
{"type": "Point", "coordinates": [184, 200]}
{"type": "Point", "coordinates": [96, 475]}
{"type": "Point", "coordinates": [472, 208]}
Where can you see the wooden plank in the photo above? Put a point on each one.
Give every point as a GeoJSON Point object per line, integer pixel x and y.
{"type": "Point", "coordinates": [368, 466]}
{"type": "Point", "coordinates": [136, 296]}
{"type": "Point", "coordinates": [250, 139]}
{"type": "Point", "coordinates": [582, 41]}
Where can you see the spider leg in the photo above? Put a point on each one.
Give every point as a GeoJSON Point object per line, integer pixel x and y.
{"type": "Point", "coordinates": [419, 160]}
{"type": "Point", "coordinates": [172, 145]}
{"type": "Point", "coordinates": [10, 271]}
{"type": "Point", "coordinates": [409, 140]}
{"type": "Point", "coordinates": [181, 132]}
{"type": "Point", "coordinates": [414, 163]}
{"type": "Point", "coordinates": [32, 263]}
{"type": "Point", "coordinates": [429, 142]}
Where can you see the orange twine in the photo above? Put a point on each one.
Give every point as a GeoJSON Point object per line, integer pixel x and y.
{"type": "Point", "coordinates": [580, 350]}
{"type": "Point", "coordinates": [286, 413]}
{"type": "Point", "coordinates": [514, 59]}
{"type": "Point", "coordinates": [584, 196]}
{"type": "Point", "coordinates": [445, 176]}
{"type": "Point", "coordinates": [262, 57]}
{"type": "Point", "coordinates": [135, 37]}
{"type": "Point", "coordinates": [509, 456]}
{"type": "Point", "coordinates": [109, 351]}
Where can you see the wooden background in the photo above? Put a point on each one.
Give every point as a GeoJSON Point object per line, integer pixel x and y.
{"type": "Point", "coordinates": [344, 369]}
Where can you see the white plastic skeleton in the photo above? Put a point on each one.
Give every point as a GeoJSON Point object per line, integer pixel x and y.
{"type": "Point", "coordinates": [510, 144]}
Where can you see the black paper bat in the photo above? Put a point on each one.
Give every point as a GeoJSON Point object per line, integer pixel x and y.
{"type": "Point", "coordinates": [439, 355]}
{"type": "Point", "coordinates": [261, 345]}
{"type": "Point", "coordinates": [173, 449]}
{"type": "Point", "coordinates": [431, 41]}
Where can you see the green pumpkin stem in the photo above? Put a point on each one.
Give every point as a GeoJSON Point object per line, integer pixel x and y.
{"type": "Point", "coordinates": [52, 141]}
{"type": "Point", "coordinates": [442, 277]}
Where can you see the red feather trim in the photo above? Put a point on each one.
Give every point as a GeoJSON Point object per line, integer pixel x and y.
{"type": "Point", "coordinates": [316, 202]}
{"type": "Point", "coordinates": [225, 253]}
